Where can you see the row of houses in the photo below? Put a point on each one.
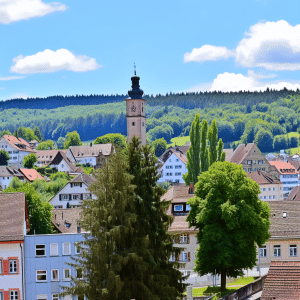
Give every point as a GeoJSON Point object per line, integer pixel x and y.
{"type": "Point", "coordinates": [91, 154]}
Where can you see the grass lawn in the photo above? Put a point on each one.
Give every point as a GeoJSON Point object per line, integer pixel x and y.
{"type": "Point", "coordinates": [242, 281]}
{"type": "Point", "coordinates": [180, 141]}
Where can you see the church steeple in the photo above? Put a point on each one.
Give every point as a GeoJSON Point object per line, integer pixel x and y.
{"type": "Point", "coordinates": [135, 111]}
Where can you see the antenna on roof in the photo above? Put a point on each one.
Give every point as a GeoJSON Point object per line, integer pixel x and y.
{"type": "Point", "coordinates": [134, 67]}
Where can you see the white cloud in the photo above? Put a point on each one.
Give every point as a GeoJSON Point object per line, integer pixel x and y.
{"type": "Point", "coordinates": [11, 78]}
{"type": "Point", "coordinates": [52, 61]}
{"type": "Point", "coordinates": [227, 82]}
{"type": "Point", "coordinates": [208, 52]}
{"type": "Point", "coordinates": [17, 10]}
{"type": "Point", "coordinates": [272, 45]}
{"type": "Point", "coordinates": [18, 96]}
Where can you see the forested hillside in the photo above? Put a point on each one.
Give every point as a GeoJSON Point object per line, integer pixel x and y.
{"type": "Point", "coordinates": [240, 116]}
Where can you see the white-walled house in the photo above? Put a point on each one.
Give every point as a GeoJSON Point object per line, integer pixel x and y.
{"type": "Point", "coordinates": [7, 174]}
{"type": "Point", "coordinates": [173, 166]}
{"type": "Point", "coordinates": [74, 192]}
{"type": "Point", "coordinates": [63, 164]}
{"type": "Point", "coordinates": [17, 149]}
{"type": "Point", "coordinates": [89, 154]}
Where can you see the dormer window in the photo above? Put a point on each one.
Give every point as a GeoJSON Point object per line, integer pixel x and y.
{"type": "Point", "coordinates": [178, 207]}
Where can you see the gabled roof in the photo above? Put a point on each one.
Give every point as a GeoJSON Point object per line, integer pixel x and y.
{"type": "Point", "coordinates": [178, 193]}
{"type": "Point", "coordinates": [240, 153]}
{"type": "Point", "coordinates": [284, 167]}
{"type": "Point", "coordinates": [17, 143]}
{"type": "Point", "coordinates": [295, 163]}
{"type": "Point", "coordinates": [262, 178]}
{"type": "Point", "coordinates": [66, 220]}
{"type": "Point", "coordinates": [294, 194]}
{"type": "Point", "coordinates": [31, 174]}
{"type": "Point", "coordinates": [285, 219]}
{"type": "Point", "coordinates": [47, 155]}
{"type": "Point", "coordinates": [88, 180]}
{"type": "Point", "coordinates": [13, 212]}
{"type": "Point", "coordinates": [61, 155]}
{"type": "Point", "coordinates": [283, 281]}
{"type": "Point", "coordinates": [165, 156]}
{"type": "Point", "coordinates": [91, 150]}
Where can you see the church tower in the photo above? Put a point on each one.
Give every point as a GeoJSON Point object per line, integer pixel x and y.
{"type": "Point", "coordinates": [135, 111]}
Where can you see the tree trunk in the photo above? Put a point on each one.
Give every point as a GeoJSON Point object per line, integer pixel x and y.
{"type": "Point", "coordinates": [223, 281]}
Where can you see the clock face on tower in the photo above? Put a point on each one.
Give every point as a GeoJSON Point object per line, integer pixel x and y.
{"type": "Point", "coordinates": [133, 108]}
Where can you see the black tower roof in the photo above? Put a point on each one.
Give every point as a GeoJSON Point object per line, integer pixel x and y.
{"type": "Point", "coordinates": [135, 92]}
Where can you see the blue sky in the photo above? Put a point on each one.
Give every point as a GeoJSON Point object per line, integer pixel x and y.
{"type": "Point", "coordinates": [89, 47]}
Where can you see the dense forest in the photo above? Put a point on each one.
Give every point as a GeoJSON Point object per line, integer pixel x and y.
{"type": "Point", "coordinates": [244, 116]}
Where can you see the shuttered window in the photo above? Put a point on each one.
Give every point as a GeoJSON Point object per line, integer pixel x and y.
{"type": "Point", "coordinates": [53, 249]}
{"type": "Point", "coordinates": [66, 249]}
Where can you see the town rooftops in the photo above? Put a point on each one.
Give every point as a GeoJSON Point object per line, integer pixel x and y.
{"type": "Point", "coordinates": [240, 153]}
{"type": "Point", "coordinates": [46, 156]}
{"type": "Point", "coordinates": [67, 220]}
{"type": "Point", "coordinates": [228, 154]}
{"type": "Point", "coordinates": [295, 163]}
{"type": "Point", "coordinates": [61, 155]}
{"type": "Point", "coordinates": [167, 154]}
{"type": "Point", "coordinates": [283, 281]}
{"type": "Point", "coordinates": [178, 193]}
{"type": "Point", "coordinates": [262, 178]}
{"type": "Point", "coordinates": [284, 167]}
{"type": "Point", "coordinates": [285, 219]}
{"type": "Point", "coordinates": [17, 143]}
{"type": "Point", "coordinates": [91, 150]}
{"type": "Point", "coordinates": [294, 194]}
{"type": "Point", "coordinates": [88, 180]}
{"type": "Point", "coordinates": [10, 172]}
{"type": "Point", "coordinates": [31, 174]}
{"type": "Point", "coordinates": [13, 212]}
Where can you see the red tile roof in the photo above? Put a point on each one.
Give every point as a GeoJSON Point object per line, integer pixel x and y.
{"type": "Point", "coordinates": [262, 178]}
{"type": "Point", "coordinates": [283, 281]}
{"type": "Point", "coordinates": [31, 174]}
{"type": "Point", "coordinates": [12, 216]}
{"type": "Point", "coordinates": [284, 167]}
{"type": "Point", "coordinates": [18, 143]}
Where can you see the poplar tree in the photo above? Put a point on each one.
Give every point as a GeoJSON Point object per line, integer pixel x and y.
{"type": "Point", "coordinates": [109, 221]}
{"type": "Point", "coordinates": [160, 276]}
{"type": "Point", "coordinates": [193, 154]}
{"type": "Point", "coordinates": [213, 141]}
{"type": "Point", "coordinates": [204, 158]}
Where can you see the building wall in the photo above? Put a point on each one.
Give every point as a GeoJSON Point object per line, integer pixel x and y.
{"type": "Point", "coordinates": [289, 182]}
{"type": "Point", "coordinates": [190, 248]}
{"type": "Point", "coordinates": [270, 192]}
{"type": "Point", "coordinates": [11, 281]}
{"type": "Point", "coordinates": [87, 160]}
{"type": "Point", "coordinates": [137, 117]}
{"type": "Point", "coordinates": [48, 263]}
{"type": "Point", "coordinates": [68, 190]}
{"type": "Point", "coordinates": [285, 251]}
{"type": "Point", "coordinates": [169, 168]}
{"type": "Point", "coordinates": [5, 181]}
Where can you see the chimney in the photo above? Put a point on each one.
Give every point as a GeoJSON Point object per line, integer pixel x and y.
{"type": "Point", "coordinates": [191, 190]}
{"type": "Point", "coordinates": [91, 144]}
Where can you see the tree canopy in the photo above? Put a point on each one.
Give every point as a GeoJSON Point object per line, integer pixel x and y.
{"type": "Point", "coordinates": [4, 158]}
{"type": "Point", "coordinates": [29, 160]}
{"type": "Point", "coordinates": [72, 139]}
{"type": "Point", "coordinates": [231, 220]}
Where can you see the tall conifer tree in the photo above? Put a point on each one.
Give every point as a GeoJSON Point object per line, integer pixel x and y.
{"type": "Point", "coordinates": [213, 141]}
{"type": "Point", "coordinates": [204, 163]}
{"type": "Point", "coordinates": [193, 154]}
{"type": "Point", "coordinates": [110, 221]}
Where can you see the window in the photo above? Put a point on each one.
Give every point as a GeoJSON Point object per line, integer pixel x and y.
{"type": "Point", "coordinates": [76, 197]}
{"type": "Point", "coordinates": [172, 257]}
{"type": "Point", "coordinates": [1, 295]}
{"type": "Point", "coordinates": [55, 296]}
{"type": "Point", "coordinates": [183, 239]}
{"type": "Point", "coordinates": [41, 276]}
{"type": "Point", "coordinates": [249, 169]}
{"type": "Point", "coordinates": [187, 207]}
{"type": "Point", "coordinates": [254, 162]}
{"type": "Point", "coordinates": [277, 250]}
{"type": "Point", "coordinates": [284, 214]}
{"type": "Point", "coordinates": [177, 159]}
{"type": "Point", "coordinates": [265, 197]}
{"type": "Point", "coordinates": [1, 269]}
{"type": "Point", "coordinates": [264, 189]}
{"type": "Point", "coordinates": [178, 167]}
{"type": "Point", "coordinates": [54, 274]}
{"type": "Point", "coordinates": [171, 174]}
{"type": "Point", "coordinates": [269, 189]}
{"type": "Point", "coordinates": [260, 162]}
{"type": "Point", "coordinates": [184, 256]}
{"type": "Point", "coordinates": [77, 249]}
{"type": "Point", "coordinates": [65, 197]}
{"type": "Point", "coordinates": [274, 197]}
{"type": "Point", "coordinates": [53, 249]}
{"type": "Point", "coordinates": [14, 295]}
{"type": "Point", "coordinates": [263, 251]}
{"type": "Point", "coordinates": [79, 273]}
{"type": "Point", "coordinates": [13, 266]}
{"type": "Point", "coordinates": [249, 162]}
{"type": "Point", "coordinates": [178, 207]}
{"type": "Point", "coordinates": [40, 250]}
{"type": "Point", "coordinates": [270, 197]}
{"type": "Point", "coordinates": [66, 249]}
{"type": "Point", "coordinates": [178, 174]}
{"type": "Point", "coordinates": [293, 250]}
{"type": "Point", "coordinates": [67, 274]}
{"type": "Point", "coordinates": [133, 123]}
{"type": "Point", "coordinates": [273, 189]}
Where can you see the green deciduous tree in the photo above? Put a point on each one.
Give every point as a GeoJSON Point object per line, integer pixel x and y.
{"type": "Point", "coordinates": [193, 154]}
{"type": "Point", "coordinates": [72, 139]}
{"type": "Point", "coordinates": [47, 145]}
{"type": "Point", "coordinates": [116, 139]}
{"type": "Point", "coordinates": [39, 212]}
{"type": "Point", "coordinates": [29, 160]}
{"type": "Point", "coordinates": [159, 146]}
{"type": "Point", "coordinates": [4, 158]}
{"type": "Point", "coordinates": [60, 142]}
{"type": "Point", "coordinates": [264, 140]}
{"type": "Point", "coordinates": [37, 133]}
{"type": "Point", "coordinates": [231, 220]}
